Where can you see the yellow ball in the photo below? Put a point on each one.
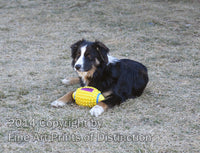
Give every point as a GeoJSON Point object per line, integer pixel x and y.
{"type": "Point", "coordinates": [87, 96]}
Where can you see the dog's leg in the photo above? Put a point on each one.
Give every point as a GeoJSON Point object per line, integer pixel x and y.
{"type": "Point", "coordinates": [71, 81]}
{"type": "Point", "coordinates": [101, 106]}
{"type": "Point", "coordinates": [63, 100]}
{"type": "Point", "coordinates": [110, 101]}
{"type": "Point", "coordinates": [98, 109]}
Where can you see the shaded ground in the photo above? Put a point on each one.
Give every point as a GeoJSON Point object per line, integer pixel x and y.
{"type": "Point", "coordinates": [34, 46]}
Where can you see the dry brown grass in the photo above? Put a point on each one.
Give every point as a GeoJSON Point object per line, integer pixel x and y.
{"type": "Point", "coordinates": [35, 37]}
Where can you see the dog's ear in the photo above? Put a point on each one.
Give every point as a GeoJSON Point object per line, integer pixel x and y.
{"type": "Point", "coordinates": [75, 46]}
{"type": "Point", "coordinates": [102, 50]}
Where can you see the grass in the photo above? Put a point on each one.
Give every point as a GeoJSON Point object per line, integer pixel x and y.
{"type": "Point", "coordinates": [35, 55]}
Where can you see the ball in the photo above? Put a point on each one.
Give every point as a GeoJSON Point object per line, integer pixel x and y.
{"type": "Point", "coordinates": [87, 96]}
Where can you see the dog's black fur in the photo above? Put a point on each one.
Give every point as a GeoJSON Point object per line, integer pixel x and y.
{"type": "Point", "coordinates": [122, 78]}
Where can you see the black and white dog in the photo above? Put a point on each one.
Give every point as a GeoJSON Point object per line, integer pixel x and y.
{"type": "Point", "coordinates": [118, 80]}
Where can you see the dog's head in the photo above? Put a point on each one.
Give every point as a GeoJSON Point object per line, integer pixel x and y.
{"type": "Point", "coordinates": [87, 55]}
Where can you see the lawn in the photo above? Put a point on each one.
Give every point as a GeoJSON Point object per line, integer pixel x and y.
{"type": "Point", "coordinates": [35, 39]}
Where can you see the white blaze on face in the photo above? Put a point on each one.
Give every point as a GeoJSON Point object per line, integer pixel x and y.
{"type": "Point", "coordinates": [80, 60]}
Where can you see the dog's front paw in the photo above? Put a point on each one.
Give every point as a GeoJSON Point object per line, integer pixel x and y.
{"type": "Point", "coordinates": [96, 111]}
{"type": "Point", "coordinates": [57, 104]}
{"type": "Point", "coordinates": [65, 82]}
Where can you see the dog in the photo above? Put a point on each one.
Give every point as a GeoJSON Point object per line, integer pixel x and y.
{"type": "Point", "coordinates": [118, 80]}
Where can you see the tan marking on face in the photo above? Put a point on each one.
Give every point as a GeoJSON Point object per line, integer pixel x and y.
{"type": "Point", "coordinates": [86, 76]}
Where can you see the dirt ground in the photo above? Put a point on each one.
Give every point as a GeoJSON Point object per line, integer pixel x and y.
{"type": "Point", "coordinates": [35, 39]}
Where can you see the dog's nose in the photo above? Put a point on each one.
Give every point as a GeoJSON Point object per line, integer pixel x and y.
{"type": "Point", "coordinates": [77, 67]}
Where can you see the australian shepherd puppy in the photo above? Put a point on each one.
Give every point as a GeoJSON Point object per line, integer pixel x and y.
{"type": "Point", "coordinates": [118, 80]}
